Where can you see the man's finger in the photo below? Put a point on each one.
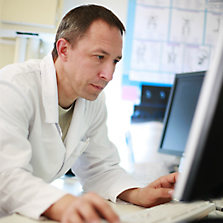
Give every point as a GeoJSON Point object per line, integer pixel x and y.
{"type": "Point", "coordinates": [71, 216]}
{"type": "Point", "coordinates": [88, 212]}
{"type": "Point", "coordinates": [165, 181]}
{"type": "Point", "coordinates": [163, 193]}
{"type": "Point", "coordinates": [106, 212]}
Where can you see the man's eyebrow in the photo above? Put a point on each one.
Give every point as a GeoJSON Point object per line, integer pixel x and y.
{"type": "Point", "coordinates": [106, 53]}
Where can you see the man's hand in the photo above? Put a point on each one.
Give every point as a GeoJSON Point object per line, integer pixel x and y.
{"type": "Point", "coordinates": [88, 208]}
{"type": "Point", "coordinates": [158, 192]}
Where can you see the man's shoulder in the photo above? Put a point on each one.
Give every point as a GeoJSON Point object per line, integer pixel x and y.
{"type": "Point", "coordinates": [23, 77]}
{"type": "Point", "coordinates": [11, 71]}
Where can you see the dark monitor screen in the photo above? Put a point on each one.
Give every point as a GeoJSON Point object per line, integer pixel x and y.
{"type": "Point", "coordinates": [201, 176]}
{"type": "Point", "coordinates": [180, 111]}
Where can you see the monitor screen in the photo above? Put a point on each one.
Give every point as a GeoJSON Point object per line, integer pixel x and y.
{"type": "Point", "coordinates": [180, 111]}
{"type": "Point", "coordinates": [201, 176]}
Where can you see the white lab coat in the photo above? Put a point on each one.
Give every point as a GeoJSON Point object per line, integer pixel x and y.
{"type": "Point", "coordinates": [32, 153]}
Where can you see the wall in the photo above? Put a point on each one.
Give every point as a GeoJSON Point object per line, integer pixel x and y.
{"type": "Point", "coordinates": [6, 45]}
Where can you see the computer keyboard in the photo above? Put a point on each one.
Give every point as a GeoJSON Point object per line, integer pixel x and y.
{"type": "Point", "coordinates": [170, 212]}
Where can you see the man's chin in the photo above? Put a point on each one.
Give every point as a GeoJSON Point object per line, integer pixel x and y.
{"type": "Point", "coordinates": [91, 97]}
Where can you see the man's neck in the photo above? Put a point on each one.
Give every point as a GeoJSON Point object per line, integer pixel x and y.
{"type": "Point", "coordinates": [64, 91]}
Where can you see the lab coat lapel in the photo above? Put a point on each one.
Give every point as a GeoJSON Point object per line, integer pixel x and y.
{"type": "Point", "coordinates": [77, 127]}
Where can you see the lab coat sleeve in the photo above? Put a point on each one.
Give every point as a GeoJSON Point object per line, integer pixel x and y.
{"type": "Point", "coordinates": [20, 190]}
{"type": "Point", "coordinates": [98, 167]}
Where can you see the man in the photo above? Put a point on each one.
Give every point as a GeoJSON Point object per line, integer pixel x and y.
{"type": "Point", "coordinates": [38, 145]}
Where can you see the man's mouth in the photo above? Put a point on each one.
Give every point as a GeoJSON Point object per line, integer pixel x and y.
{"type": "Point", "coordinates": [98, 87]}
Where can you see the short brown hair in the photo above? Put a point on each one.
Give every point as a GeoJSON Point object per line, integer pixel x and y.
{"type": "Point", "coordinates": [77, 21]}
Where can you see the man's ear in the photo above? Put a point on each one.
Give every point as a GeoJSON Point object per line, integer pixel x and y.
{"type": "Point", "coordinates": [62, 48]}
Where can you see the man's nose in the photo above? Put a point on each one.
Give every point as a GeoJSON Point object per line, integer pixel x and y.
{"type": "Point", "coordinates": [107, 71]}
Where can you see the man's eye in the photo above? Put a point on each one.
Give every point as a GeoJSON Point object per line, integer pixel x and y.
{"type": "Point", "coordinates": [115, 61]}
{"type": "Point", "coordinates": [100, 57]}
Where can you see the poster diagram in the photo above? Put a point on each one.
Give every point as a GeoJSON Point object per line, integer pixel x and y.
{"type": "Point", "coordinates": [212, 27]}
{"type": "Point", "coordinates": [145, 55]}
{"type": "Point", "coordinates": [196, 58]}
{"type": "Point", "coordinates": [187, 26]}
{"type": "Point", "coordinates": [172, 57]}
{"type": "Point", "coordinates": [151, 23]}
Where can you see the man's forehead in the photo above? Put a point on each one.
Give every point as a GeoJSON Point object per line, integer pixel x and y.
{"type": "Point", "coordinates": [100, 23]}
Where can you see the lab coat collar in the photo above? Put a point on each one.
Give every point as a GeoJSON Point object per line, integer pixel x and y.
{"type": "Point", "coordinates": [49, 89]}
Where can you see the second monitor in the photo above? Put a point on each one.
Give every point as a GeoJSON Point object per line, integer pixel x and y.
{"type": "Point", "coordinates": [180, 111]}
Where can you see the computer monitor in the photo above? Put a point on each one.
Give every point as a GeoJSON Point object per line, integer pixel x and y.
{"type": "Point", "coordinates": [201, 177]}
{"type": "Point", "coordinates": [179, 112]}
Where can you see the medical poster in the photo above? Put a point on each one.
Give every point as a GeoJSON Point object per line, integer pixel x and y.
{"type": "Point", "coordinates": [165, 37]}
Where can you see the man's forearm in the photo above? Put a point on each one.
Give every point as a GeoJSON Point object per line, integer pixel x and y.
{"type": "Point", "coordinates": [131, 196]}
